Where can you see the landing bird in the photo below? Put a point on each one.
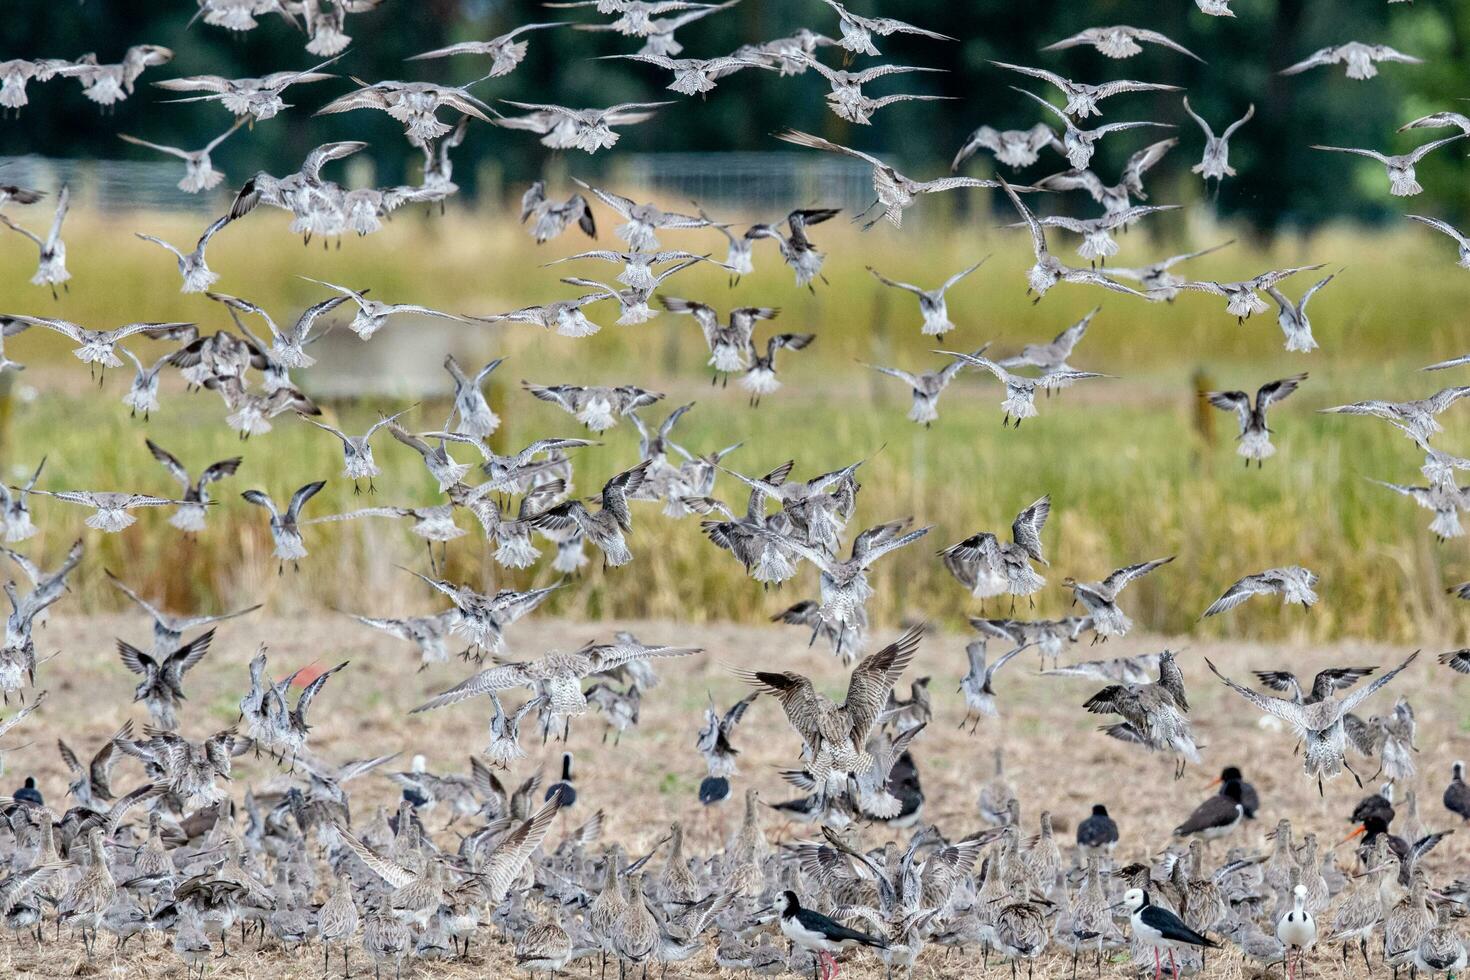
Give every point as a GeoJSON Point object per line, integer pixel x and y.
{"type": "Point", "coordinates": [162, 687]}
{"type": "Point", "coordinates": [1216, 160]}
{"type": "Point", "coordinates": [1082, 99]}
{"type": "Point", "coordinates": [844, 582]}
{"type": "Point", "coordinates": [111, 507]}
{"type": "Point", "coordinates": [287, 346]}
{"type": "Point", "coordinates": [834, 735]}
{"type": "Point", "coordinates": [1016, 148]}
{"type": "Point", "coordinates": [857, 32]}
{"type": "Point", "coordinates": [926, 387]}
{"type": "Point", "coordinates": [249, 98]}
{"type": "Point", "coordinates": [978, 683]}
{"type": "Point", "coordinates": [1445, 500]}
{"type": "Point", "coordinates": [284, 527]}
{"type": "Point", "coordinates": [557, 675]}
{"type": "Point", "coordinates": [372, 315]}
{"type": "Point", "coordinates": [1462, 244]}
{"type": "Point", "coordinates": [196, 274]}
{"type": "Point", "coordinates": [931, 301]}
{"type": "Point", "coordinates": [1155, 715]}
{"type": "Point", "coordinates": [713, 742]}
{"type": "Point", "coordinates": [1119, 42]}
{"type": "Point", "coordinates": [412, 103]}
{"type": "Point", "coordinates": [199, 171]}
{"type": "Point", "coordinates": [1292, 584]}
{"type": "Point", "coordinates": [1240, 296]}
{"type": "Point", "coordinates": [1100, 598]}
{"type": "Point", "coordinates": [1159, 284]}
{"type": "Point", "coordinates": [108, 85]}
{"type": "Point", "coordinates": [989, 567]}
{"type": "Point", "coordinates": [894, 191]}
{"type": "Point", "coordinates": [1048, 270]}
{"type": "Point", "coordinates": [51, 266]}
{"type": "Point", "coordinates": [598, 408]}
{"type": "Point", "coordinates": [1254, 441]}
{"type": "Point", "coordinates": [847, 101]}
{"type": "Point", "coordinates": [642, 221]}
{"type": "Point", "coordinates": [1020, 392]}
{"type": "Point", "coordinates": [555, 217]}
{"type": "Point", "coordinates": [357, 451]}
{"type": "Point", "coordinates": [169, 629]}
{"type": "Point", "coordinates": [1400, 167]}
{"type": "Point", "coordinates": [1079, 145]}
{"type": "Point", "coordinates": [483, 617]}
{"type": "Point", "coordinates": [1117, 197]}
{"type": "Point", "coordinates": [605, 526]}
{"type": "Point", "coordinates": [1361, 59]}
{"type": "Point", "coordinates": [1417, 419]}
{"type": "Point", "coordinates": [588, 130]}
{"type": "Point", "coordinates": [1320, 724]}
{"type": "Point", "coordinates": [1053, 356]}
{"type": "Point", "coordinates": [1098, 243]}
{"type": "Point", "coordinates": [504, 51]}
{"type": "Point", "coordinates": [15, 507]}
{"type": "Point", "coordinates": [1292, 316]}
{"type": "Point", "coordinates": [696, 76]}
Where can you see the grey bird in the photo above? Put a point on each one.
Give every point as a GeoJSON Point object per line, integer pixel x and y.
{"type": "Point", "coordinates": [169, 629]}
{"type": "Point", "coordinates": [1254, 441]}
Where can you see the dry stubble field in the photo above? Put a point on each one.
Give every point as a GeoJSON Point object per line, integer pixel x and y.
{"type": "Point", "coordinates": [1056, 758]}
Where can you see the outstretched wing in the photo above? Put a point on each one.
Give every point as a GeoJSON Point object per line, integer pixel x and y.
{"type": "Point", "coordinates": [1274, 391]}
{"type": "Point", "coordinates": [1026, 529]}
{"type": "Point", "coordinates": [1242, 590]}
{"type": "Point", "coordinates": [873, 679]}
{"type": "Point", "coordinates": [1123, 576]}
{"type": "Point", "coordinates": [300, 497]}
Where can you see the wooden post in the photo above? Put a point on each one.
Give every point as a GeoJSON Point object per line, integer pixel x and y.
{"type": "Point", "coordinates": [1204, 412]}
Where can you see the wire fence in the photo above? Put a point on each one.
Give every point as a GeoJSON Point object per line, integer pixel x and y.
{"type": "Point", "coordinates": [764, 184]}
{"type": "Point", "coordinates": [757, 183]}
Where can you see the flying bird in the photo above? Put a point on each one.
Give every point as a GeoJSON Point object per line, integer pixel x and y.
{"type": "Point", "coordinates": [1400, 167]}
{"type": "Point", "coordinates": [1361, 59]}
{"type": "Point", "coordinates": [1254, 441]}
{"type": "Point", "coordinates": [1320, 723]}
{"type": "Point", "coordinates": [1292, 582]}
{"type": "Point", "coordinates": [1119, 42]}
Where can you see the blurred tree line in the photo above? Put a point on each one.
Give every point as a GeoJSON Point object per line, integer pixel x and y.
{"type": "Point", "coordinates": [1282, 182]}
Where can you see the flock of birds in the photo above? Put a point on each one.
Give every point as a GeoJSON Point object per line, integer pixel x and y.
{"type": "Point", "coordinates": [179, 854]}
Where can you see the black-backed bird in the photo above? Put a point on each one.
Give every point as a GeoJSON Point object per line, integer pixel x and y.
{"type": "Point", "coordinates": [1217, 816]}
{"type": "Point", "coordinates": [1098, 833]}
{"type": "Point", "coordinates": [30, 794]}
{"type": "Point", "coordinates": [1456, 794]}
{"type": "Point", "coordinates": [820, 934]}
{"type": "Point", "coordinates": [563, 788]}
{"type": "Point", "coordinates": [1250, 800]}
{"type": "Point", "coordinates": [1158, 927]}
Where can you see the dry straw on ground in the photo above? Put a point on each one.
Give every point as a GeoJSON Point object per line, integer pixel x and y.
{"type": "Point", "coordinates": [1055, 757]}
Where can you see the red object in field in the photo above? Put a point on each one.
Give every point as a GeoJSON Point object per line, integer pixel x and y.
{"type": "Point", "coordinates": [306, 675]}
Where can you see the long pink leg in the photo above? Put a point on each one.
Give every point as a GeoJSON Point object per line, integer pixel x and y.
{"type": "Point", "coordinates": [1158, 965]}
{"type": "Point", "coordinates": [1173, 968]}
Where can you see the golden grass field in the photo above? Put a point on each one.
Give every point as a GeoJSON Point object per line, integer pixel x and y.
{"type": "Point", "coordinates": [1135, 467]}
{"type": "Point", "coordinates": [1055, 757]}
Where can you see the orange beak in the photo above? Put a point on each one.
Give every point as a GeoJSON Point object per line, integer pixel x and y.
{"type": "Point", "coordinates": [1216, 781]}
{"type": "Point", "coordinates": [1361, 830]}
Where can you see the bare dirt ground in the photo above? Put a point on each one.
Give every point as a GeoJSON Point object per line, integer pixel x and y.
{"type": "Point", "coordinates": [1055, 756]}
